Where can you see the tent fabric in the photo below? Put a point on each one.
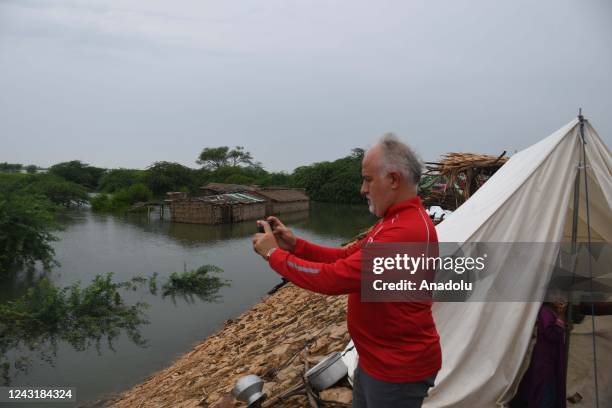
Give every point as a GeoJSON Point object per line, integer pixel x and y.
{"type": "Point", "coordinates": [527, 200]}
{"type": "Point", "coordinates": [484, 345]}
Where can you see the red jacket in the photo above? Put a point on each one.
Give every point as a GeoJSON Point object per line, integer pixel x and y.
{"type": "Point", "coordinates": [396, 341]}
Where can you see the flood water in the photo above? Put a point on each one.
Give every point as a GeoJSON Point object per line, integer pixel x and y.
{"type": "Point", "coordinates": [92, 244]}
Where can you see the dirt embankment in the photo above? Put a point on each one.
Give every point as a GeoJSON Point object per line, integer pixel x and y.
{"type": "Point", "coordinates": [273, 339]}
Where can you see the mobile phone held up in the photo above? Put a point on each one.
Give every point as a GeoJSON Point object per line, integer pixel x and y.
{"type": "Point", "coordinates": [260, 228]}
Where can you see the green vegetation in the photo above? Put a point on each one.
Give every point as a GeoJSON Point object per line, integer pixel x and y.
{"type": "Point", "coordinates": [28, 201]}
{"type": "Point", "coordinates": [81, 317]}
{"type": "Point", "coordinates": [163, 176]}
{"type": "Point", "coordinates": [86, 316]}
{"type": "Point", "coordinates": [336, 182]}
{"type": "Point", "coordinates": [26, 225]}
{"type": "Point", "coordinates": [199, 283]}
{"type": "Point", "coordinates": [79, 173]}
{"type": "Point", "coordinates": [216, 157]}
{"type": "Point", "coordinates": [122, 199]}
{"type": "Point", "coordinates": [117, 179]}
{"type": "Point", "coordinates": [10, 167]}
{"type": "Point", "coordinates": [31, 169]}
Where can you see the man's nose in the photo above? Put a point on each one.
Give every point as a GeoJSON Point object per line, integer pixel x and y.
{"type": "Point", "coordinates": [364, 189]}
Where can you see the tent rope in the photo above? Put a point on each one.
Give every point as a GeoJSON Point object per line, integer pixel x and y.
{"type": "Point", "coordinates": [588, 220]}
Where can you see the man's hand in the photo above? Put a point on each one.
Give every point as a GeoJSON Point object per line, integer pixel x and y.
{"type": "Point", "coordinates": [285, 238]}
{"type": "Point", "coordinates": [264, 242]}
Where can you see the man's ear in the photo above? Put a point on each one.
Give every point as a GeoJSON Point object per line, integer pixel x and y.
{"type": "Point", "coordinates": [395, 179]}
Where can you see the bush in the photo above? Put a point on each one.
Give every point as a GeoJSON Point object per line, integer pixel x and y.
{"type": "Point", "coordinates": [117, 179]}
{"type": "Point", "coordinates": [197, 282]}
{"type": "Point", "coordinates": [79, 316]}
{"type": "Point", "coordinates": [26, 225]}
{"type": "Point", "coordinates": [58, 190]}
{"type": "Point", "coordinates": [122, 199]}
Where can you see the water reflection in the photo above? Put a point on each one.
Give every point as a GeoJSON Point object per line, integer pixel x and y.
{"type": "Point", "coordinates": [34, 324]}
{"type": "Point", "coordinates": [341, 220]}
{"type": "Point", "coordinates": [93, 244]}
{"type": "Point", "coordinates": [323, 219]}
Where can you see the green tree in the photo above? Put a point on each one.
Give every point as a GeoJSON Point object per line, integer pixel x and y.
{"type": "Point", "coordinates": [217, 157]}
{"type": "Point", "coordinates": [213, 157]}
{"type": "Point", "coordinates": [31, 169]}
{"type": "Point", "coordinates": [10, 167]}
{"type": "Point", "coordinates": [57, 190]}
{"type": "Point", "coordinates": [280, 179]}
{"type": "Point", "coordinates": [163, 176]}
{"type": "Point", "coordinates": [26, 225]}
{"type": "Point", "coordinates": [338, 181]}
{"type": "Point", "coordinates": [79, 173]}
{"type": "Point", "coordinates": [238, 156]}
{"type": "Point", "coordinates": [117, 179]}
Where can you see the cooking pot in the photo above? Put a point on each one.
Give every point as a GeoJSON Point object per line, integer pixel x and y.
{"type": "Point", "coordinates": [249, 389]}
{"type": "Point", "coordinates": [328, 372]}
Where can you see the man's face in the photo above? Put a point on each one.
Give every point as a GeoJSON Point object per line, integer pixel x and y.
{"type": "Point", "coordinates": [375, 186]}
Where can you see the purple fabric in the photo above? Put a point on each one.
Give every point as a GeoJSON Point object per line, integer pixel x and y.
{"type": "Point", "coordinates": [544, 381]}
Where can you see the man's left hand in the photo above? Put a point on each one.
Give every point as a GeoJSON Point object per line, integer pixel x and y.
{"type": "Point", "coordinates": [264, 242]}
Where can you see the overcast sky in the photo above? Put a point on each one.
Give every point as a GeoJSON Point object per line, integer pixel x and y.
{"type": "Point", "coordinates": [119, 83]}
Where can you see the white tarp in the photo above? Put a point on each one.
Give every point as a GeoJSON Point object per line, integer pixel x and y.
{"type": "Point", "coordinates": [527, 200]}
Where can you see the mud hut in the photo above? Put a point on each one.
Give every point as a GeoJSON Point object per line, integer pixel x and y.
{"type": "Point", "coordinates": [218, 209]}
{"type": "Point", "coordinates": [223, 188]}
{"type": "Point", "coordinates": [283, 200]}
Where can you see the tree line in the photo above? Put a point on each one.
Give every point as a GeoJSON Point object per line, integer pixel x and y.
{"type": "Point", "coordinates": [30, 200]}
{"type": "Point", "coordinates": [70, 183]}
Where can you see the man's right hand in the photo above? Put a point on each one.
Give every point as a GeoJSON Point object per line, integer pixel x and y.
{"type": "Point", "coordinates": [284, 237]}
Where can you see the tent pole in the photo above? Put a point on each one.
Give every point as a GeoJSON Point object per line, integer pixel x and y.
{"type": "Point", "coordinates": [573, 252]}
{"type": "Point", "coordinates": [582, 166]}
{"type": "Point", "coordinates": [588, 221]}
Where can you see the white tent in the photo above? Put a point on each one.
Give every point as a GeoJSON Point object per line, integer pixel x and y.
{"type": "Point", "coordinates": [529, 199]}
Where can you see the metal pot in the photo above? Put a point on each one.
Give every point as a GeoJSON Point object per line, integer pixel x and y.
{"type": "Point", "coordinates": [328, 372]}
{"type": "Point", "coordinates": [249, 389]}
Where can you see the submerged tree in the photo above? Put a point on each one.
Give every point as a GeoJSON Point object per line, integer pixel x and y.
{"type": "Point", "coordinates": [82, 317]}
{"type": "Point", "coordinates": [26, 231]}
{"type": "Point", "coordinates": [195, 283]}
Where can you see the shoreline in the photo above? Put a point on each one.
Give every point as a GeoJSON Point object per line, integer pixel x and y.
{"type": "Point", "coordinates": [273, 339]}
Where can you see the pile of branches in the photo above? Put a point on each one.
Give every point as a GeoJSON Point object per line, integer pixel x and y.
{"type": "Point", "coordinates": [456, 177]}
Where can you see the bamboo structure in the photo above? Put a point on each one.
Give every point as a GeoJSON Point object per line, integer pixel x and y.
{"type": "Point", "coordinates": [451, 181]}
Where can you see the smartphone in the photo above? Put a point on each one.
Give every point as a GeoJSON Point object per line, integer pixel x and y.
{"type": "Point", "coordinates": [260, 228]}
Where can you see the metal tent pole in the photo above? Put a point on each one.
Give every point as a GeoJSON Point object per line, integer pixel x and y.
{"type": "Point", "coordinates": [588, 221]}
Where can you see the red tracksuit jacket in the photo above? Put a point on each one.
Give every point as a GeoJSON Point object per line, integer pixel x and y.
{"type": "Point", "coordinates": [396, 341]}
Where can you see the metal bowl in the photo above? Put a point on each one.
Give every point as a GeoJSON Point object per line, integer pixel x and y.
{"type": "Point", "coordinates": [328, 372]}
{"type": "Point", "coordinates": [249, 389]}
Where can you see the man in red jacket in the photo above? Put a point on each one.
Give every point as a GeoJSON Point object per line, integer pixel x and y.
{"type": "Point", "coordinates": [398, 344]}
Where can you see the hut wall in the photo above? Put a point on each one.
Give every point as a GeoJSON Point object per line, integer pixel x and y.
{"type": "Point", "coordinates": [195, 212]}
{"type": "Point", "coordinates": [291, 206]}
{"type": "Point", "coordinates": [251, 211]}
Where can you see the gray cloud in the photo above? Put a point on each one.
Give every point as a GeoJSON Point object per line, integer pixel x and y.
{"type": "Point", "coordinates": [125, 83]}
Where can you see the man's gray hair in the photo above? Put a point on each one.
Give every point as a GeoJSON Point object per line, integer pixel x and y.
{"type": "Point", "coordinates": [398, 156]}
